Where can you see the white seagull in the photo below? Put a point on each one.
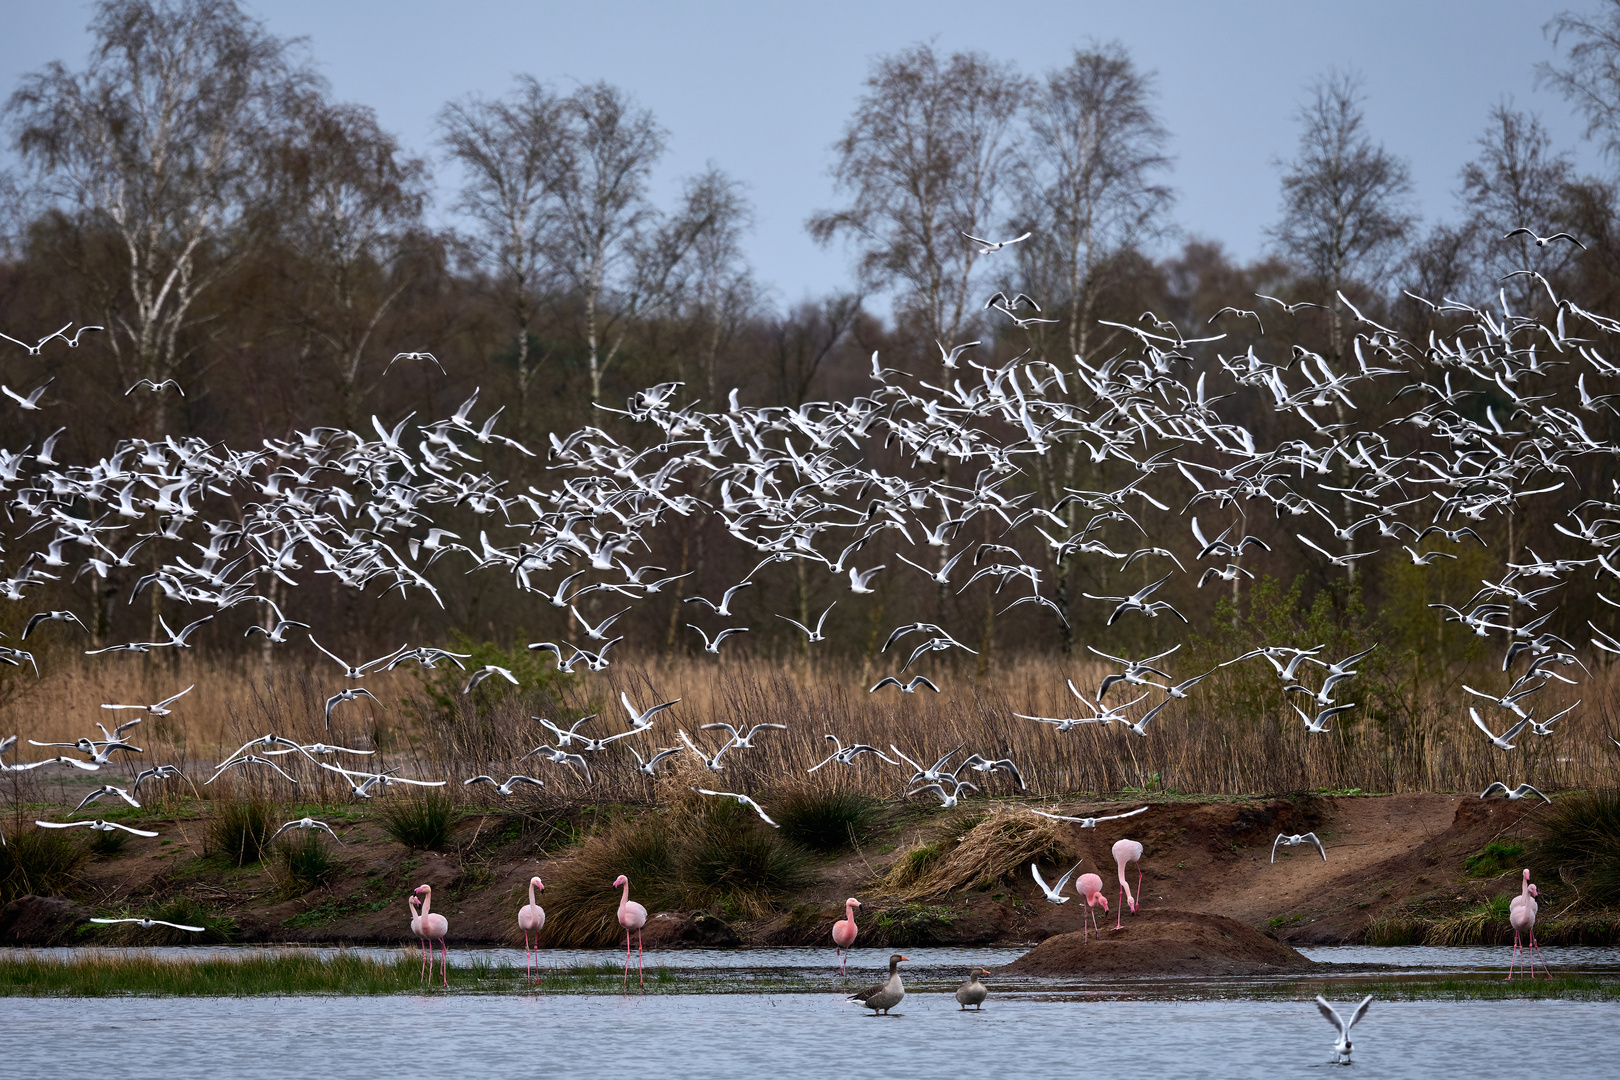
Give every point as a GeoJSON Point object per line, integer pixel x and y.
{"type": "Point", "coordinates": [1294, 841]}
{"type": "Point", "coordinates": [1341, 1049]}
{"type": "Point", "coordinates": [1054, 894]}
{"type": "Point", "coordinates": [742, 800]}
{"type": "Point", "coordinates": [1089, 822]}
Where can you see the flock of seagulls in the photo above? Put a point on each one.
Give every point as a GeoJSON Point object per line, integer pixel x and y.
{"type": "Point", "coordinates": [932, 481]}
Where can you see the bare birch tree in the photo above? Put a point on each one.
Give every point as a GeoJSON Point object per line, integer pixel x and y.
{"type": "Point", "coordinates": [1517, 181]}
{"type": "Point", "coordinates": [603, 238]}
{"type": "Point", "coordinates": [512, 154]}
{"type": "Point", "coordinates": [1345, 199]}
{"type": "Point", "coordinates": [925, 159]}
{"type": "Point", "coordinates": [161, 140]}
{"type": "Point", "coordinates": [1087, 182]}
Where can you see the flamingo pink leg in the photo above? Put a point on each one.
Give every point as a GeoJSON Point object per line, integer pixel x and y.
{"type": "Point", "coordinates": [632, 916]}
{"type": "Point", "coordinates": [434, 928]}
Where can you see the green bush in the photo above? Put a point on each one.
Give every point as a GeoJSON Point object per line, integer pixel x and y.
{"type": "Point", "coordinates": [825, 820]}
{"type": "Point", "coordinates": [1583, 843]}
{"type": "Point", "coordinates": [537, 678]}
{"type": "Point", "coordinates": [38, 861]}
{"type": "Point", "coordinates": [722, 857]}
{"type": "Point", "coordinates": [241, 829]}
{"type": "Point", "coordinates": [307, 861]}
{"type": "Point", "coordinates": [421, 822]}
{"type": "Point", "coordinates": [107, 843]}
{"type": "Point", "coordinates": [730, 860]}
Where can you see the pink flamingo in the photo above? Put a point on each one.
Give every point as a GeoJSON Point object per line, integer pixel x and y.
{"type": "Point", "coordinates": [632, 916]}
{"type": "Point", "coordinates": [1522, 916]}
{"type": "Point", "coordinates": [434, 927]}
{"type": "Point", "coordinates": [531, 920]}
{"type": "Point", "coordinates": [844, 931]}
{"type": "Point", "coordinates": [1127, 851]}
{"type": "Point", "coordinates": [1090, 886]}
{"type": "Point", "coordinates": [416, 928]}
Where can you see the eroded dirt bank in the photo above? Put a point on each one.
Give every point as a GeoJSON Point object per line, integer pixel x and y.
{"type": "Point", "coordinates": [1386, 855]}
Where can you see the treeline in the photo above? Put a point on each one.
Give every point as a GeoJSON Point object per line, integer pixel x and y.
{"type": "Point", "coordinates": [195, 189]}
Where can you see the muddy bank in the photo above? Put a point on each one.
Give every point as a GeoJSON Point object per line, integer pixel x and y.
{"type": "Point", "coordinates": [1163, 943]}
{"type": "Point", "coordinates": [1389, 857]}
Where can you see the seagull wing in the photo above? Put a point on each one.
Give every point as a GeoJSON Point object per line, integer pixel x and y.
{"type": "Point", "coordinates": [1319, 849]}
{"type": "Point", "coordinates": [1330, 1014]}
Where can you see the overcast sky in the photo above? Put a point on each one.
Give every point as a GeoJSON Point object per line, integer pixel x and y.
{"type": "Point", "coordinates": [763, 89]}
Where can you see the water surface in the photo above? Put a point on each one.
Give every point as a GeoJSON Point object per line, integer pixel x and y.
{"type": "Point", "coordinates": [785, 1037]}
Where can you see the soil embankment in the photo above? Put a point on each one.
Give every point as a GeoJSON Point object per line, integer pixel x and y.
{"type": "Point", "coordinates": [1164, 942]}
{"type": "Point", "coordinates": [1386, 855]}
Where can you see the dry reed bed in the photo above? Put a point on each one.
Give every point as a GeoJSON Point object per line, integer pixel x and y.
{"type": "Point", "coordinates": [1232, 736]}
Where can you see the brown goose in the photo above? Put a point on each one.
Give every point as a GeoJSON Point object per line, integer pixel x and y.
{"type": "Point", "coordinates": [883, 996]}
{"type": "Point", "coordinates": [973, 992]}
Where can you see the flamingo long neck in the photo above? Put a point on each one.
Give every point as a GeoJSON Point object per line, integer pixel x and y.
{"type": "Point", "coordinates": [427, 903]}
{"type": "Point", "coordinates": [531, 892]}
{"type": "Point", "coordinates": [411, 902]}
{"type": "Point", "coordinates": [1524, 890]}
{"type": "Point", "coordinates": [625, 899]}
{"type": "Point", "coordinates": [1130, 897]}
{"type": "Point", "coordinates": [849, 913]}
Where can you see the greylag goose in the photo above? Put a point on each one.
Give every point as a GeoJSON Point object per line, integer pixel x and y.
{"type": "Point", "coordinates": [883, 996]}
{"type": "Point", "coordinates": [973, 992]}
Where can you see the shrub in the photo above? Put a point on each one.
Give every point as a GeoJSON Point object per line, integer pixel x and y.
{"type": "Point", "coordinates": [442, 683]}
{"type": "Point", "coordinates": [720, 857]}
{"type": "Point", "coordinates": [38, 861]}
{"type": "Point", "coordinates": [581, 905]}
{"type": "Point", "coordinates": [241, 829]}
{"type": "Point", "coordinates": [307, 861]}
{"type": "Point", "coordinates": [107, 843]}
{"type": "Point", "coordinates": [421, 822]}
{"type": "Point", "coordinates": [730, 860]}
{"type": "Point", "coordinates": [912, 864]}
{"type": "Point", "coordinates": [825, 820]}
{"type": "Point", "coordinates": [1583, 843]}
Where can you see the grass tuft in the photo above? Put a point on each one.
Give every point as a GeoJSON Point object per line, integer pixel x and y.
{"type": "Point", "coordinates": [731, 861]}
{"type": "Point", "coordinates": [241, 829]}
{"type": "Point", "coordinates": [998, 846]}
{"type": "Point", "coordinates": [38, 861]}
{"type": "Point", "coordinates": [308, 862]}
{"type": "Point", "coordinates": [422, 822]}
{"type": "Point", "coordinates": [1582, 843]}
{"type": "Point", "coordinates": [825, 820]}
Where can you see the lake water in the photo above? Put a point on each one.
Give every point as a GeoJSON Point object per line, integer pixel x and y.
{"type": "Point", "coordinates": [785, 1037]}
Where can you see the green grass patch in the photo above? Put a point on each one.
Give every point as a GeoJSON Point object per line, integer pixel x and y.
{"type": "Point", "coordinates": [1494, 858]}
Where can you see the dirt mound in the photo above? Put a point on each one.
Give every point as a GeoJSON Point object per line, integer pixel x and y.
{"type": "Point", "coordinates": [1163, 943]}
{"type": "Point", "coordinates": [40, 920]}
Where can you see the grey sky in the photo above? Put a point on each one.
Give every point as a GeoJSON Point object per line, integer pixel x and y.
{"type": "Point", "coordinates": [763, 89]}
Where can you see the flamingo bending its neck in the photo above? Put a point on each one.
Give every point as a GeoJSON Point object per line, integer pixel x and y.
{"type": "Point", "coordinates": [1522, 917]}
{"type": "Point", "coordinates": [531, 920]}
{"type": "Point", "coordinates": [632, 916]}
{"type": "Point", "coordinates": [844, 931]}
{"type": "Point", "coordinates": [415, 905]}
{"type": "Point", "coordinates": [1090, 887]}
{"type": "Point", "coordinates": [1127, 851]}
{"type": "Point", "coordinates": [434, 927]}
